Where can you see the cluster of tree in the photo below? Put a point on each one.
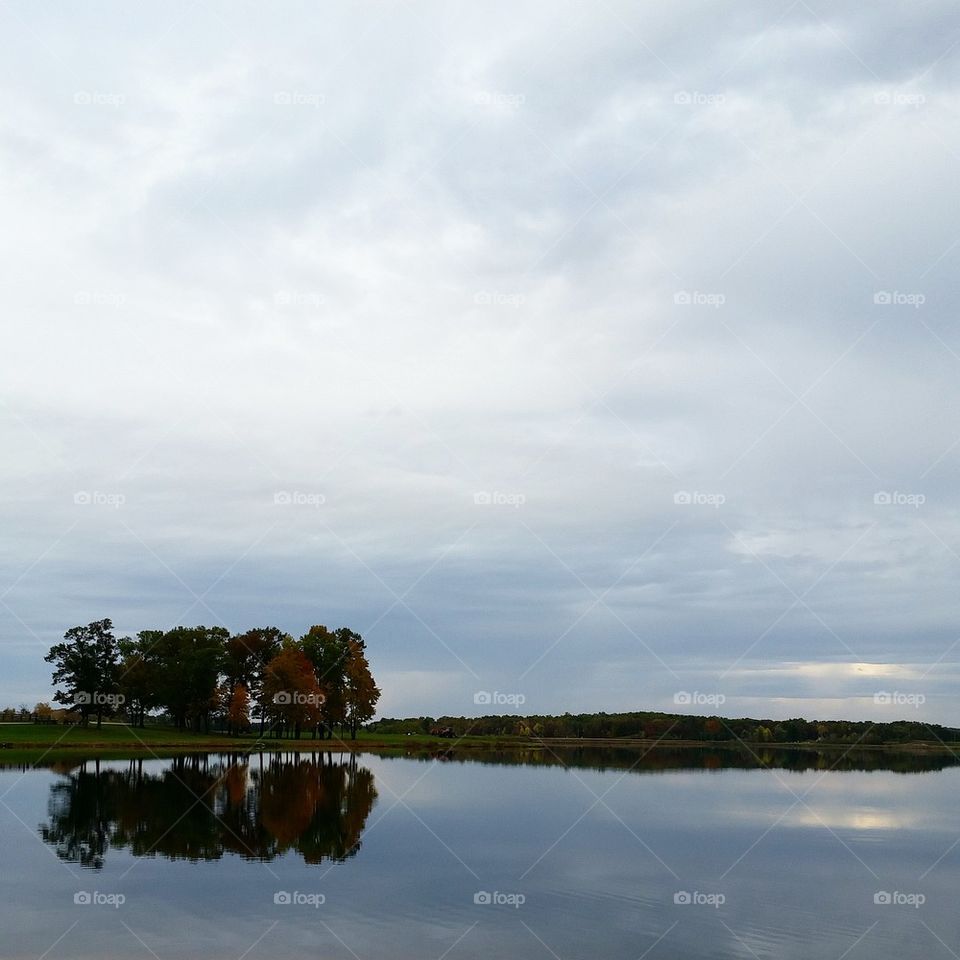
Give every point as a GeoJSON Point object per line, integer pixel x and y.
{"type": "Point", "coordinates": [260, 810]}
{"type": "Point", "coordinates": [666, 726]}
{"type": "Point", "coordinates": [206, 678]}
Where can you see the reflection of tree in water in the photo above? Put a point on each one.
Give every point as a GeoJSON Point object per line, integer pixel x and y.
{"type": "Point", "coordinates": [644, 759]}
{"type": "Point", "coordinates": [198, 807]}
{"type": "Point", "coordinates": [79, 821]}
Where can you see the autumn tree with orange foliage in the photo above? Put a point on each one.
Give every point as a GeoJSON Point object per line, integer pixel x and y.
{"type": "Point", "coordinates": [292, 698]}
{"type": "Point", "coordinates": [238, 710]}
{"type": "Point", "coordinates": [361, 693]}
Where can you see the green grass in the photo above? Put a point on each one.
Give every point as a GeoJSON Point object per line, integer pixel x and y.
{"type": "Point", "coordinates": [120, 737]}
{"type": "Point", "coordinates": [38, 735]}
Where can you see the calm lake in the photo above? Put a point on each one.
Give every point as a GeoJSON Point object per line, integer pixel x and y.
{"type": "Point", "coordinates": [576, 854]}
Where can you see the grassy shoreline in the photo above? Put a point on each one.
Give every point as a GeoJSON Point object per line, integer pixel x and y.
{"type": "Point", "coordinates": [18, 741]}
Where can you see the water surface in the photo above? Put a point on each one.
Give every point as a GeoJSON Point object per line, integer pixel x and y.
{"type": "Point", "coordinates": [589, 854]}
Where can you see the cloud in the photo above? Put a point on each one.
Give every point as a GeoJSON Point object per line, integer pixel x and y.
{"type": "Point", "coordinates": [599, 353]}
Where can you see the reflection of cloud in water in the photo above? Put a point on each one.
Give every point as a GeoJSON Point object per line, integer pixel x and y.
{"type": "Point", "coordinates": [855, 818]}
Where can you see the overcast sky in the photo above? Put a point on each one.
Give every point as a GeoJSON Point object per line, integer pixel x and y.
{"type": "Point", "coordinates": [586, 353]}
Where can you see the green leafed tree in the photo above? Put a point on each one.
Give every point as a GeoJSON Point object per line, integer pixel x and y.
{"type": "Point", "coordinates": [246, 657]}
{"type": "Point", "coordinates": [329, 651]}
{"type": "Point", "coordinates": [139, 675]}
{"type": "Point", "coordinates": [191, 661]}
{"type": "Point", "coordinates": [86, 665]}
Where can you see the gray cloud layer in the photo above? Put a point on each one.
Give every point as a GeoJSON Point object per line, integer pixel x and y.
{"type": "Point", "coordinates": [671, 286]}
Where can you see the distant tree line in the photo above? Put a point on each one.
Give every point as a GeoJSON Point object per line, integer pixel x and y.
{"type": "Point", "coordinates": [205, 678]}
{"type": "Point", "coordinates": [667, 726]}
